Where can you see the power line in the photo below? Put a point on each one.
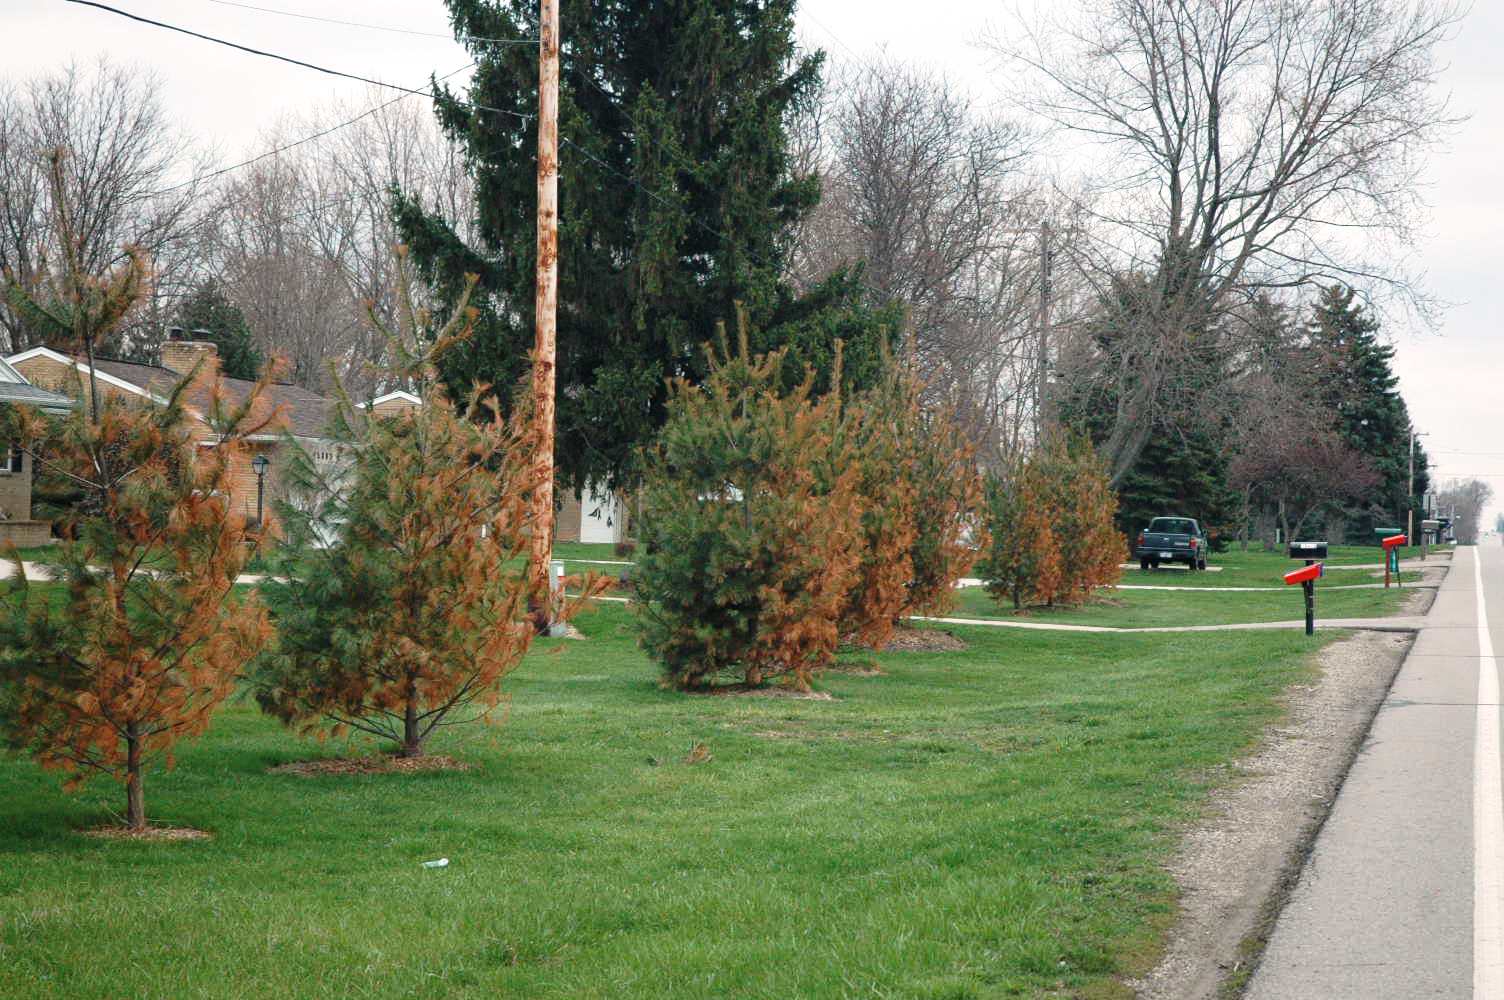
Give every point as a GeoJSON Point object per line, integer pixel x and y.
{"type": "Point", "coordinates": [420, 93]}
{"type": "Point", "coordinates": [377, 27]}
{"type": "Point", "coordinates": [821, 25]}
{"type": "Point", "coordinates": [289, 59]}
{"type": "Point", "coordinates": [1439, 474]}
{"type": "Point", "coordinates": [307, 138]}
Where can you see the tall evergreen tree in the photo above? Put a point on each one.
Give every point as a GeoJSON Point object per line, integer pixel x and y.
{"type": "Point", "coordinates": [676, 202]}
{"type": "Point", "coordinates": [1182, 466]}
{"type": "Point", "coordinates": [1180, 474]}
{"type": "Point", "coordinates": [208, 308]}
{"type": "Point", "coordinates": [1357, 385]}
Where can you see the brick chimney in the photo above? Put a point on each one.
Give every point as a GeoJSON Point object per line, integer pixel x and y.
{"type": "Point", "coordinates": [181, 355]}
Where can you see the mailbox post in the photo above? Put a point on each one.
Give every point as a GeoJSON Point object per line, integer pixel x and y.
{"type": "Point", "coordinates": [1392, 558]}
{"type": "Point", "coordinates": [1429, 535]}
{"type": "Point", "coordinates": [1311, 552]}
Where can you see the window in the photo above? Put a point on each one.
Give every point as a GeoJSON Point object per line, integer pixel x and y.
{"type": "Point", "coordinates": [14, 458]}
{"type": "Point", "coordinates": [1173, 526]}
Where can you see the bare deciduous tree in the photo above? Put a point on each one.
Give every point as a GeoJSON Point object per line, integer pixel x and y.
{"type": "Point", "coordinates": [305, 235]}
{"type": "Point", "coordinates": [1253, 144]}
{"type": "Point", "coordinates": [130, 178]}
{"type": "Point", "coordinates": [1299, 466]}
{"type": "Point", "coordinates": [1464, 500]}
{"type": "Point", "coordinates": [925, 194]}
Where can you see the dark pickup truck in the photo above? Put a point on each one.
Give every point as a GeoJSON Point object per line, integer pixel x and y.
{"type": "Point", "coordinates": [1171, 540]}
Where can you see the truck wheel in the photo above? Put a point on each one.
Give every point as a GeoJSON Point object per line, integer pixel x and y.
{"type": "Point", "coordinates": [1201, 564]}
{"type": "Point", "coordinates": [1143, 565]}
{"type": "Point", "coordinates": [1154, 564]}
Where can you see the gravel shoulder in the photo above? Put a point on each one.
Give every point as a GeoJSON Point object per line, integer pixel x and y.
{"type": "Point", "coordinates": [1235, 868]}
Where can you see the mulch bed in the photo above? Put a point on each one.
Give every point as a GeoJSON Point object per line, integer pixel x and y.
{"type": "Point", "coordinates": [384, 764]}
{"type": "Point", "coordinates": [151, 833]}
{"type": "Point", "coordinates": [923, 640]}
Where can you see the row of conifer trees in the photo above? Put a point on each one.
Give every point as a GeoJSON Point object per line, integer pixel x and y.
{"type": "Point", "coordinates": [778, 523]}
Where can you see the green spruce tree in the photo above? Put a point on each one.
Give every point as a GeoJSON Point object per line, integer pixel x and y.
{"type": "Point", "coordinates": [1357, 385]}
{"type": "Point", "coordinates": [677, 200]}
{"type": "Point", "coordinates": [208, 308]}
{"type": "Point", "coordinates": [1180, 473]}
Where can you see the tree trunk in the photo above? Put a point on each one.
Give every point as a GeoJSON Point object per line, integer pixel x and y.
{"type": "Point", "coordinates": [412, 739]}
{"type": "Point", "coordinates": [1247, 517]}
{"type": "Point", "coordinates": [93, 382]}
{"type": "Point", "coordinates": [1300, 524]}
{"type": "Point", "coordinates": [1131, 431]}
{"type": "Point", "coordinates": [135, 799]}
{"type": "Point", "coordinates": [1263, 527]}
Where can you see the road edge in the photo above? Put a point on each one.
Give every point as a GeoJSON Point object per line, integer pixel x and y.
{"type": "Point", "coordinates": [1299, 766]}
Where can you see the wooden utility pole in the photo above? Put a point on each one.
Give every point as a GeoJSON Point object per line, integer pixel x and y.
{"type": "Point", "coordinates": [546, 303]}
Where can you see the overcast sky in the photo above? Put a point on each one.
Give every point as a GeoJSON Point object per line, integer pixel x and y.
{"type": "Point", "coordinates": [1451, 379]}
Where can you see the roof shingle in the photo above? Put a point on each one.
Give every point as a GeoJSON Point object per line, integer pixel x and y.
{"type": "Point", "coordinates": [306, 413]}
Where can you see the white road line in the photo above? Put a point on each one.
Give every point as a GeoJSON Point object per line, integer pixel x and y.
{"type": "Point", "coordinates": [1488, 817]}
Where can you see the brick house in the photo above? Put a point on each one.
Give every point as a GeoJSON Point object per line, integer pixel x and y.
{"type": "Point", "coordinates": [16, 523]}
{"type": "Point", "coordinates": [595, 516]}
{"type": "Point", "coordinates": [302, 413]}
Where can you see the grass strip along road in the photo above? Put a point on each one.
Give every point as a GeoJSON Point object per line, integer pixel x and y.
{"type": "Point", "coordinates": [987, 822]}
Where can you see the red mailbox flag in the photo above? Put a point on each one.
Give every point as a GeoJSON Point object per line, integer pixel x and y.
{"type": "Point", "coordinates": [1303, 574]}
{"type": "Point", "coordinates": [1393, 541]}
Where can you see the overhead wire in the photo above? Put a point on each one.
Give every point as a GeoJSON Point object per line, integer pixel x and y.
{"type": "Point", "coordinates": [375, 27]}
{"type": "Point", "coordinates": [289, 59]}
{"type": "Point", "coordinates": [837, 38]}
{"type": "Point", "coordinates": [317, 209]}
{"type": "Point", "coordinates": [298, 142]}
{"type": "Point", "coordinates": [406, 91]}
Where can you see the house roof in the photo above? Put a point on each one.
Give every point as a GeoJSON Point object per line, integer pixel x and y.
{"type": "Point", "coordinates": [30, 395]}
{"type": "Point", "coordinates": [400, 395]}
{"type": "Point", "coordinates": [306, 413]}
{"type": "Point", "coordinates": [15, 389]}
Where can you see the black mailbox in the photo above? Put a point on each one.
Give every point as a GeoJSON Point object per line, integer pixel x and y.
{"type": "Point", "coordinates": [1308, 550]}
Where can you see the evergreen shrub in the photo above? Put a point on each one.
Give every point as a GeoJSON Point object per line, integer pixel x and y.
{"type": "Point", "coordinates": [1052, 520]}
{"type": "Point", "coordinates": [751, 526]}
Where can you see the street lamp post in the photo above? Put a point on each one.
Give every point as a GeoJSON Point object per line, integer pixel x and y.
{"type": "Point", "coordinates": [259, 464]}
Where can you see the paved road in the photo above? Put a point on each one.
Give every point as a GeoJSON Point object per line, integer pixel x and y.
{"type": "Point", "coordinates": [1402, 896]}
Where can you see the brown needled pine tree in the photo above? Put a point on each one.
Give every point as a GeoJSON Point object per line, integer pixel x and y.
{"type": "Point", "coordinates": [922, 520]}
{"type": "Point", "coordinates": [1053, 536]}
{"type": "Point", "coordinates": [140, 637]}
{"type": "Point", "coordinates": [752, 527]}
{"type": "Point", "coordinates": [406, 604]}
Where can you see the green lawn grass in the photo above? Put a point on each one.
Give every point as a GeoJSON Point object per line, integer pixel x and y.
{"type": "Point", "coordinates": [572, 551]}
{"type": "Point", "coordinates": [33, 553]}
{"type": "Point", "coordinates": [1152, 608]}
{"type": "Point", "coordinates": [1256, 568]}
{"type": "Point", "coordinates": [1236, 568]}
{"type": "Point", "coordinates": [988, 823]}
